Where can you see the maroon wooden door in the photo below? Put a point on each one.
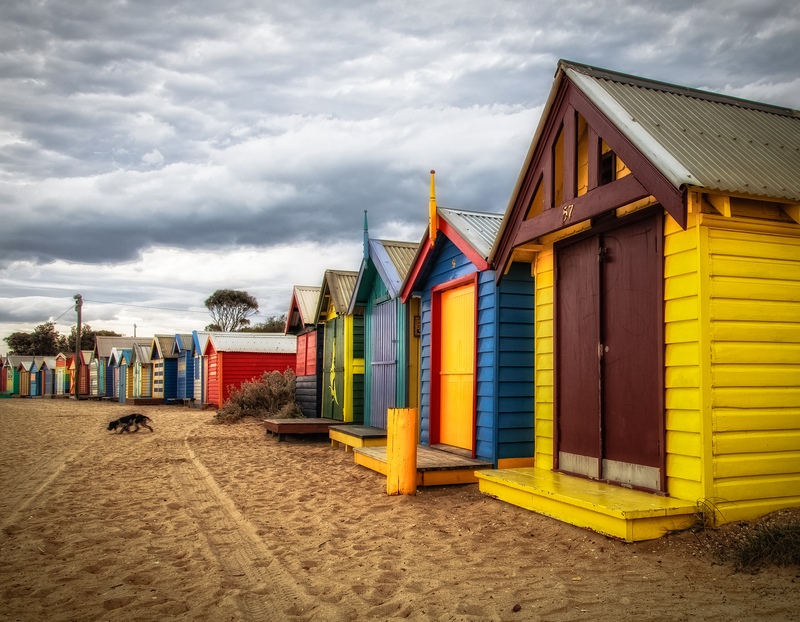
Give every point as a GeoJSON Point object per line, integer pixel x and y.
{"type": "Point", "coordinates": [609, 336]}
{"type": "Point", "coordinates": [578, 386]}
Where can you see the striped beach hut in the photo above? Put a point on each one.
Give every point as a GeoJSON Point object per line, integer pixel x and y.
{"type": "Point", "coordinates": [388, 340]}
{"type": "Point", "coordinates": [662, 226]}
{"type": "Point", "coordinates": [63, 363]}
{"type": "Point", "coordinates": [234, 358]}
{"type": "Point", "coordinates": [343, 349]}
{"type": "Point", "coordinates": [47, 376]}
{"type": "Point", "coordinates": [142, 367]}
{"type": "Point", "coordinates": [24, 374]}
{"type": "Point", "coordinates": [113, 372]}
{"type": "Point", "coordinates": [84, 360]}
{"type": "Point", "coordinates": [477, 340]}
{"type": "Point", "coordinates": [300, 321]}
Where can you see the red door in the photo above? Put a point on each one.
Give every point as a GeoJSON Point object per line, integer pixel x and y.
{"type": "Point", "coordinates": [609, 355]}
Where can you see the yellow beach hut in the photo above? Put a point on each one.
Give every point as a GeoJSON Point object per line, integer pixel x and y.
{"type": "Point", "coordinates": [662, 227]}
{"type": "Point", "coordinates": [343, 349]}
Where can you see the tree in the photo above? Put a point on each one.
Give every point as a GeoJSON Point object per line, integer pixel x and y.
{"type": "Point", "coordinates": [45, 340]}
{"type": "Point", "coordinates": [87, 337]}
{"type": "Point", "coordinates": [274, 324]}
{"type": "Point", "coordinates": [230, 309]}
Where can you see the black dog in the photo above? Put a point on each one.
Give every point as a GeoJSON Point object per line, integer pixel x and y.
{"type": "Point", "coordinates": [134, 419]}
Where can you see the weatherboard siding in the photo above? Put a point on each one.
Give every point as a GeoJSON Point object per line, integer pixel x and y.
{"type": "Point", "coordinates": [754, 317]}
{"type": "Point", "coordinates": [228, 370]}
{"type": "Point", "coordinates": [515, 364]}
{"type": "Point", "coordinates": [504, 380]}
{"type": "Point", "coordinates": [543, 358]}
{"type": "Point", "coordinates": [686, 431]}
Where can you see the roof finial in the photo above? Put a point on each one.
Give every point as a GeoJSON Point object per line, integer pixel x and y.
{"type": "Point", "coordinates": [366, 236]}
{"type": "Point", "coordinates": [433, 219]}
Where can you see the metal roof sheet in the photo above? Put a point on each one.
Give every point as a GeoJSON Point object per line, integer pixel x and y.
{"type": "Point", "coordinates": [183, 342]}
{"type": "Point", "coordinates": [401, 255]}
{"type": "Point", "coordinates": [163, 344]}
{"type": "Point", "coordinates": [339, 284]}
{"type": "Point", "coordinates": [307, 297]}
{"type": "Point", "coordinates": [478, 229]}
{"type": "Point", "coordinates": [275, 343]}
{"type": "Point", "coordinates": [141, 352]}
{"type": "Point", "coordinates": [13, 360]}
{"type": "Point", "coordinates": [104, 343]}
{"type": "Point", "coordinates": [698, 138]}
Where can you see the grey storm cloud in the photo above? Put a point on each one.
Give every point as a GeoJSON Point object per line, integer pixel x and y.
{"type": "Point", "coordinates": [133, 125]}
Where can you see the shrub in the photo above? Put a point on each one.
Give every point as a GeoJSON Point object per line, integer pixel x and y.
{"type": "Point", "coordinates": [270, 397]}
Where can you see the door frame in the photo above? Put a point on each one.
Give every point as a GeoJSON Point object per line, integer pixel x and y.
{"type": "Point", "coordinates": [436, 335]}
{"type": "Point", "coordinates": [600, 226]}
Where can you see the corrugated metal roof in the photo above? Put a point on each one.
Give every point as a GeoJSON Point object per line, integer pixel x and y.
{"type": "Point", "coordinates": [340, 286]}
{"type": "Point", "coordinates": [103, 344]}
{"type": "Point", "coordinates": [182, 343]}
{"type": "Point", "coordinates": [13, 360]}
{"type": "Point", "coordinates": [163, 344]}
{"type": "Point", "coordinates": [276, 343]}
{"type": "Point", "coordinates": [401, 254]}
{"type": "Point", "coordinates": [141, 352]}
{"type": "Point", "coordinates": [307, 297]}
{"type": "Point", "coordinates": [702, 139]}
{"type": "Point", "coordinates": [478, 229]}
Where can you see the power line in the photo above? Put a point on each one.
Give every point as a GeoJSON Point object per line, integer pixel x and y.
{"type": "Point", "coordinates": [127, 304]}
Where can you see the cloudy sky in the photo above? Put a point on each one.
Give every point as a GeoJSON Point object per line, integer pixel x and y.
{"type": "Point", "coordinates": [154, 151]}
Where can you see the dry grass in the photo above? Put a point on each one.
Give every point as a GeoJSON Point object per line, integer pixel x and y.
{"type": "Point", "coordinates": [270, 397]}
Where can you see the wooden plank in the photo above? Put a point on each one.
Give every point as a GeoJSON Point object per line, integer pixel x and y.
{"type": "Point", "coordinates": [310, 425]}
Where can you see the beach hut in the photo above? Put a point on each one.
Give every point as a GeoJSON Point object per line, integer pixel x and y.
{"type": "Point", "coordinates": [63, 363]}
{"type": "Point", "coordinates": [376, 296]}
{"type": "Point", "coordinates": [126, 379]}
{"type": "Point", "coordinates": [234, 358]}
{"type": "Point", "coordinates": [142, 366]}
{"type": "Point", "coordinates": [343, 349]}
{"type": "Point", "coordinates": [477, 341]}
{"type": "Point", "coordinates": [11, 372]}
{"type": "Point", "coordinates": [84, 360]}
{"type": "Point", "coordinates": [199, 341]}
{"type": "Point", "coordinates": [113, 373]}
{"type": "Point", "coordinates": [662, 226]}
{"type": "Point", "coordinates": [47, 376]}
{"type": "Point", "coordinates": [182, 350]}
{"type": "Point", "coordinates": [165, 368]}
{"type": "Point", "coordinates": [300, 321]}
{"type": "Point", "coordinates": [24, 374]}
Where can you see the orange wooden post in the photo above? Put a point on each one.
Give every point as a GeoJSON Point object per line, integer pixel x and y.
{"type": "Point", "coordinates": [401, 452]}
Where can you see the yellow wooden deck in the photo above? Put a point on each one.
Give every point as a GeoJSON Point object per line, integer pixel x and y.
{"type": "Point", "coordinates": [351, 436]}
{"type": "Point", "coordinates": [629, 515]}
{"type": "Point", "coordinates": [434, 466]}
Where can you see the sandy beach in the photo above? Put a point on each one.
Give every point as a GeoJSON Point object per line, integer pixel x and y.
{"type": "Point", "coordinates": [198, 521]}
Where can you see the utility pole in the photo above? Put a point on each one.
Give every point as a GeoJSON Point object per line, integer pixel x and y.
{"type": "Point", "coordinates": [78, 304]}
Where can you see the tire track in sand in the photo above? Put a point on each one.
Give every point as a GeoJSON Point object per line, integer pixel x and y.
{"type": "Point", "coordinates": [267, 591]}
{"type": "Point", "coordinates": [29, 485]}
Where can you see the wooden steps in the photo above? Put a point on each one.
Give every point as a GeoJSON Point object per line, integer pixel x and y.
{"type": "Point", "coordinates": [299, 425]}
{"type": "Point", "coordinates": [350, 436]}
{"type": "Point", "coordinates": [629, 515]}
{"type": "Point", "coordinates": [434, 467]}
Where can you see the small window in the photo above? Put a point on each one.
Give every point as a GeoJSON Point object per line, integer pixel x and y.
{"type": "Point", "coordinates": [608, 168]}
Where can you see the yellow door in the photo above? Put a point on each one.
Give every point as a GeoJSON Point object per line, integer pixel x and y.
{"type": "Point", "coordinates": [457, 369]}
